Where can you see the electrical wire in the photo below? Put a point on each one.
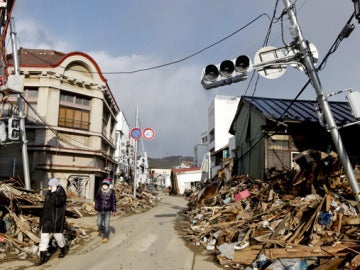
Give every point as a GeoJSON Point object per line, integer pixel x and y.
{"type": "Point", "coordinates": [178, 60]}
{"type": "Point", "coordinates": [322, 65]}
{"type": "Point", "coordinates": [49, 127]}
{"type": "Point", "coordinates": [266, 40]}
{"type": "Point", "coordinates": [332, 49]}
{"type": "Point", "coordinates": [193, 54]}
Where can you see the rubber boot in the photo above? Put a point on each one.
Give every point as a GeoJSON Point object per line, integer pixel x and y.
{"type": "Point", "coordinates": [43, 257]}
{"type": "Point", "coordinates": [63, 252]}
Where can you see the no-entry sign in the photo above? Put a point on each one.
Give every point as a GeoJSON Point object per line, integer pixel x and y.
{"type": "Point", "coordinates": [148, 133]}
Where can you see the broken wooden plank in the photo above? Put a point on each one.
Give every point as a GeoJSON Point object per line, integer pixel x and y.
{"type": "Point", "coordinates": [305, 251]}
{"type": "Point", "coordinates": [330, 264]}
{"type": "Point", "coordinates": [247, 255]}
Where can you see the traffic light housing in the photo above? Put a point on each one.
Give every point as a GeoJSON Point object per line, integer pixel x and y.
{"type": "Point", "coordinates": [227, 72]}
{"type": "Point", "coordinates": [14, 129]}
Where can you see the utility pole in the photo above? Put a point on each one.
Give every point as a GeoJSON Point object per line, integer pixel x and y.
{"type": "Point", "coordinates": [135, 152]}
{"type": "Point", "coordinates": [303, 47]}
{"type": "Point", "coordinates": [25, 158]}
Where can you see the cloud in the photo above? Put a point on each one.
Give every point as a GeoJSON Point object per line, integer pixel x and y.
{"type": "Point", "coordinates": [34, 35]}
{"type": "Point", "coordinates": [170, 100]}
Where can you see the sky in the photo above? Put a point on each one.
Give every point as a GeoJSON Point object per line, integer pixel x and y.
{"type": "Point", "coordinates": [130, 35]}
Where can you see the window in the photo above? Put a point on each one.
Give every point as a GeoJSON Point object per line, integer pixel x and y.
{"type": "Point", "coordinates": [74, 118]}
{"type": "Point", "coordinates": [74, 111]}
{"type": "Point", "coordinates": [30, 108]}
{"type": "Point", "coordinates": [106, 116]}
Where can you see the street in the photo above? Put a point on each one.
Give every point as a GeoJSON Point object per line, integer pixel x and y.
{"type": "Point", "coordinates": [143, 241]}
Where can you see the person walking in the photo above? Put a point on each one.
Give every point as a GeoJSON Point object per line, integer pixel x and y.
{"type": "Point", "coordinates": [52, 220]}
{"type": "Point", "coordinates": [105, 205]}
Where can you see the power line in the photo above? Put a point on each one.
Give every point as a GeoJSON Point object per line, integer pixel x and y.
{"type": "Point", "coordinates": [332, 49]}
{"type": "Point", "coordinates": [181, 59]}
{"type": "Point", "coordinates": [193, 54]}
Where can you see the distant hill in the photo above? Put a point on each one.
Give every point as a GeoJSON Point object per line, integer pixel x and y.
{"type": "Point", "coordinates": [167, 162]}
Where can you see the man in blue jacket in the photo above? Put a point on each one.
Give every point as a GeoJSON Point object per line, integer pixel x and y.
{"type": "Point", "coordinates": [105, 205]}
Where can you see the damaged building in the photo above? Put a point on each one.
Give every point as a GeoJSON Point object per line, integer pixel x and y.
{"type": "Point", "coordinates": [270, 132]}
{"type": "Point", "coordinates": [70, 121]}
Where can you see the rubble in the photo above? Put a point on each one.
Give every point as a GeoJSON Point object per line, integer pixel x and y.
{"type": "Point", "coordinates": [304, 220]}
{"type": "Point", "coordinates": [20, 210]}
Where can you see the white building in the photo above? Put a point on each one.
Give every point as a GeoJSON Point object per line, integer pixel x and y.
{"type": "Point", "coordinates": [221, 113]}
{"type": "Point", "coordinates": [185, 179]}
{"type": "Point", "coordinates": [122, 143]}
{"type": "Point", "coordinates": [201, 149]}
{"type": "Point", "coordinates": [161, 177]}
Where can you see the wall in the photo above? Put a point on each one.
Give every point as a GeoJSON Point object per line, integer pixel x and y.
{"type": "Point", "coordinates": [248, 134]}
{"type": "Point", "coordinates": [185, 179]}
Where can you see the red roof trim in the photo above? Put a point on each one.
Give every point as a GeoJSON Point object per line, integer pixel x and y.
{"type": "Point", "coordinates": [62, 57]}
{"type": "Point", "coordinates": [86, 56]}
{"type": "Point", "coordinates": [179, 170]}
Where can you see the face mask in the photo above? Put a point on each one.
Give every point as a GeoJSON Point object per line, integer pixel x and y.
{"type": "Point", "coordinates": [52, 189]}
{"type": "Point", "coordinates": [105, 187]}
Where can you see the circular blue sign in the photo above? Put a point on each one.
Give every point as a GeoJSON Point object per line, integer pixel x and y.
{"type": "Point", "coordinates": [136, 133]}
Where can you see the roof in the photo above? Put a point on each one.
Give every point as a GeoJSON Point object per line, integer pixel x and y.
{"type": "Point", "coordinates": [298, 110]}
{"type": "Point", "coordinates": [42, 58]}
{"type": "Point", "coordinates": [183, 170]}
{"type": "Point", "coordinates": [38, 57]}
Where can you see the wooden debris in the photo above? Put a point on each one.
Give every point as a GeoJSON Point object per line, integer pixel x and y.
{"type": "Point", "coordinates": [303, 215]}
{"type": "Point", "coordinates": [19, 218]}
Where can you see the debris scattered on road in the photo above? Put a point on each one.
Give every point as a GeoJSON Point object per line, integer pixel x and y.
{"type": "Point", "coordinates": [20, 210]}
{"type": "Point", "coordinates": [302, 219]}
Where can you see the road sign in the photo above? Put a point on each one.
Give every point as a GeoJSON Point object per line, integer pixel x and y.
{"type": "Point", "coordinates": [136, 133]}
{"type": "Point", "coordinates": [148, 133]}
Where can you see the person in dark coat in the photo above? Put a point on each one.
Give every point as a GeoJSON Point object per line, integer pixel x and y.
{"type": "Point", "coordinates": [105, 205]}
{"type": "Point", "coordinates": [52, 220]}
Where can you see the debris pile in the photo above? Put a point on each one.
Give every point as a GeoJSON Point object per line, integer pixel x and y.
{"type": "Point", "coordinates": [289, 220]}
{"type": "Point", "coordinates": [20, 210]}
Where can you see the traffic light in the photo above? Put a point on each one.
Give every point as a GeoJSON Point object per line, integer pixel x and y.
{"type": "Point", "coordinates": [227, 72]}
{"type": "Point", "coordinates": [14, 129]}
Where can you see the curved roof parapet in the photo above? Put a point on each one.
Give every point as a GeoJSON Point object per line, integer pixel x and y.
{"type": "Point", "coordinates": [75, 61]}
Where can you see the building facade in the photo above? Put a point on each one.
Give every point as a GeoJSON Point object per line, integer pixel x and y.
{"type": "Point", "coordinates": [124, 148]}
{"type": "Point", "coordinates": [270, 132]}
{"type": "Point", "coordinates": [70, 121]}
{"type": "Point", "coordinates": [220, 115]}
{"type": "Point", "coordinates": [185, 179]}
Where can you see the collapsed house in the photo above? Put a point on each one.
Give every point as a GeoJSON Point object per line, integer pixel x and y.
{"type": "Point", "coordinates": [303, 220]}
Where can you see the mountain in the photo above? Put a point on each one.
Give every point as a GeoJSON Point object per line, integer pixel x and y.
{"type": "Point", "coordinates": [168, 162]}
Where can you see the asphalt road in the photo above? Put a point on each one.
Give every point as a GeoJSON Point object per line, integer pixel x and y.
{"type": "Point", "coordinates": [143, 241]}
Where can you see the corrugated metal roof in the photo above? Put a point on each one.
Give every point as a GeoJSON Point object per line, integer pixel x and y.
{"type": "Point", "coordinates": [299, 110]}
